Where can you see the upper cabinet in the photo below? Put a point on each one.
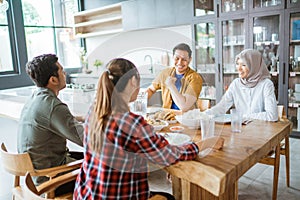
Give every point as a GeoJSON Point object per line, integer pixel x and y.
{"type": "Point", "coordinates": [132, 15]}
{"type": "Point", "coordinates": [99, 21]}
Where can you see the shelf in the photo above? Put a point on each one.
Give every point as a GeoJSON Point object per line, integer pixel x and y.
{"type": "Point", "coordinates": [294, 104]}
{"type": "Point", "coordinates": [233, 44]}
{"type": "Point", "coordinates": [267, 43]}
{"type": "Point", "coordinates": [295, 41]}
{"type": "Point", "coordinates": [100, 21]}
{"type": "Point", "coordinates": [292, 74]}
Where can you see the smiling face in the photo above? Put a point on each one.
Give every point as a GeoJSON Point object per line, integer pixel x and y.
{"type": "Point", "coordinates": [181, 61]}
{"type": "Point", "coordinates": [242, 68]}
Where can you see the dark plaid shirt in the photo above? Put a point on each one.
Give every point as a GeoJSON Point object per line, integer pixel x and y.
{"type": "Point", "coordinates": [121, 170]}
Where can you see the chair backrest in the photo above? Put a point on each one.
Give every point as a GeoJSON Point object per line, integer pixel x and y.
{"type": "Point", "coordinates": [29, 189]}
{"type": "Point", "coordinates": [15, 163]}
{"type": "Point", "coordinates": [281, 113]}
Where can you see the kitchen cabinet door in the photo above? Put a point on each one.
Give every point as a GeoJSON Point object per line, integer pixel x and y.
{"type": "Point", "coordinates": [233, 42]}
{"type": "Point", "coordinates": [205, 56]}
{"type": "Point", "coordinates": [267, 31]}
{"type": "Point", "coordinates": [292, 58]}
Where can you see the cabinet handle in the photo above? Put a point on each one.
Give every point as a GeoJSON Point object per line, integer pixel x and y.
{"type": "Point", "coordinates": [219, 72]}
{"type": "Point", "coordinates": [283, 73]}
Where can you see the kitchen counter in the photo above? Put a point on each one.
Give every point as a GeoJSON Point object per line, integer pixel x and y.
{"type": "Point", "coordinates": [13, 100]}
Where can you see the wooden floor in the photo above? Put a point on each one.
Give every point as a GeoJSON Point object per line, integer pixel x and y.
{"type": "Point", "coordinates": [255, 184]}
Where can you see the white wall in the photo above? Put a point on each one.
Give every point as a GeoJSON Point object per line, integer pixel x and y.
{"type": "Point", "coordinates": [108, 47]}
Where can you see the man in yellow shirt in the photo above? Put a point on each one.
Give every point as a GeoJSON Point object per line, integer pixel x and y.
{"type": "Point", "coordinates": [180, 85]}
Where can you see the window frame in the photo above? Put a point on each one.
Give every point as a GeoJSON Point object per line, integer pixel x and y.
{"type": "Point", "coordinates": [17, 77]}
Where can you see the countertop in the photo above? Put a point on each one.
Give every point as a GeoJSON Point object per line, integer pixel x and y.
{"type": "Point", "coordinates": [13, 100]}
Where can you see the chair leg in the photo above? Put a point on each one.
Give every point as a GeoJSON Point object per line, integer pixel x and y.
{"type": "Point", "coordinates": [287, 160]}
{"type": "Point", "coordinates": [276, 172]}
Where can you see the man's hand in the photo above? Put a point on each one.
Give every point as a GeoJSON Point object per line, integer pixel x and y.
{"type": "Point", "coordinates": [80, 118]}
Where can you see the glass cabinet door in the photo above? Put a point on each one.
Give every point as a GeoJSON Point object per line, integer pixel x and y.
{"type": "Point", "coordinates": [294, 71]}
{"type": "Point", "coordinates": [232, 5]}
{"type": "Point", "coordinates": [267, 3]}
{"type": "Point", "coordinates": [203, 7]}
{"type": "Point", "coordinates": [266, 36]}
{"type": "Point", "coordinates": [205, 58]}
{"type": "Point", "coordinates": [233, 42]}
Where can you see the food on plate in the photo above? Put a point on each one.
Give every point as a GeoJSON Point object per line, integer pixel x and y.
{"type": "Point", "coordinates": [155, 122]}
{"type": "Point", "coordinates": [165, 115]}
{"type": "Point", "coordinates": [177, 129]}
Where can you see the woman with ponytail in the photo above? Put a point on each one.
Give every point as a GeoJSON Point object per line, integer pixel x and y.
{"type": "Point", "coordinates": [118, 144]}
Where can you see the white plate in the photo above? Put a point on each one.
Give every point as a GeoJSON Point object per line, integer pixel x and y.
{"type": "Point", "coordinates": [176, 138]}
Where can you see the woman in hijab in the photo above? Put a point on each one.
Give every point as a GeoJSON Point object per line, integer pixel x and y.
{"type": "Point", "coordinates": [252, 94]}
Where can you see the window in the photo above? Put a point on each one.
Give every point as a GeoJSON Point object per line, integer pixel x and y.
{"type": "Point", "coordinates": [48, 29]}
{"type": "Point", "coordinates": [5, 50]}
{"type": "Point", "coordinates": [33, 27]}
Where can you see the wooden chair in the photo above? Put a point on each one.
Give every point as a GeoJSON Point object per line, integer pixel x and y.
{"type": "Point", "coordinates": [30, 192]}
{"type": "Point", "coordinates": [203, 104]}
{"type": "Point", "coordinates": [19, 164]}
{"type": "Point", "coordinates": [273, 157]}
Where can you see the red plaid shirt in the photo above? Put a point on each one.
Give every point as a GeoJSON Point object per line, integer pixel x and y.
{"type": "Point", "coordinates": [121, 171]}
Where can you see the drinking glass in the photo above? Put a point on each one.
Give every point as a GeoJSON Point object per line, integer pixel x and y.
{"type": "Point", "coordinates": [236, 121]}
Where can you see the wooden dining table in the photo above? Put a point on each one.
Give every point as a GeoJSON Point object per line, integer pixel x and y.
{"type": "Point", "coordinates": [215, 174]}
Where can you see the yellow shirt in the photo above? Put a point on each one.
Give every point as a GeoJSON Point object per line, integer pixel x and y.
{"type": "Point", "coordinates": [191, 83]}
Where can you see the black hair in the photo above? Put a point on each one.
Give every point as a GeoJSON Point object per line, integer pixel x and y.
{"type": "Point", "coordinates": [183, 47]}
{"type": "Point", "coordinates": [41, 68]}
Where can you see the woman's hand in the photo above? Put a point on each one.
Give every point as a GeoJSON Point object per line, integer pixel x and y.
{"type": "Point", "coordinates": [170, 81]}
{"type": "Point", "coordinates": [212, 142]}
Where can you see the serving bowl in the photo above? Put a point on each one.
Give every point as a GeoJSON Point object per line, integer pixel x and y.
{"type": "Point", "coordinates": [157, 124]}
{"type": "Point", "coordinates": [176, 129]}
{"type": "Point", "coordinates": [190, 123]}
{"type": "Point", "coordinates": [191, 119]}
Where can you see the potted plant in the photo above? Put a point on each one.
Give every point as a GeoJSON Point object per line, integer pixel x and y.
{"type": "Point", "coordinates": [84, 61]}
{"type": "Point", "coordinates": [98, 63]}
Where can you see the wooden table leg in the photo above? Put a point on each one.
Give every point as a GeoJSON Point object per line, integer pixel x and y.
{"type": "Point", "coordinates": [276, 171]}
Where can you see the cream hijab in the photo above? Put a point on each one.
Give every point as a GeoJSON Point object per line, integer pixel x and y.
{"type": "Point", "coordinates": [257, 68]}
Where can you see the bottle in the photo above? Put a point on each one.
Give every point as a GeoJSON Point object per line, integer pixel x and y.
{"type": "Point", "coordinates": [165, 61]}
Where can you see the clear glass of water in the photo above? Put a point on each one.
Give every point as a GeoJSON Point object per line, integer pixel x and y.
{"type": "Point", "coordinates": [236, 121]}
{"type": "Point", "coordinates": [139, 106]}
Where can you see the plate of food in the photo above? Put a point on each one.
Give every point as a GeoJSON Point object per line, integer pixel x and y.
{"type": "Point", "coordinates": [168, 116]}
{"type": "Point", "coordinates": [177, 129]}
{"type": "Point", "coordinates": [157, 124]}
{"type": "Point", "coordinates": [177, 138]}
